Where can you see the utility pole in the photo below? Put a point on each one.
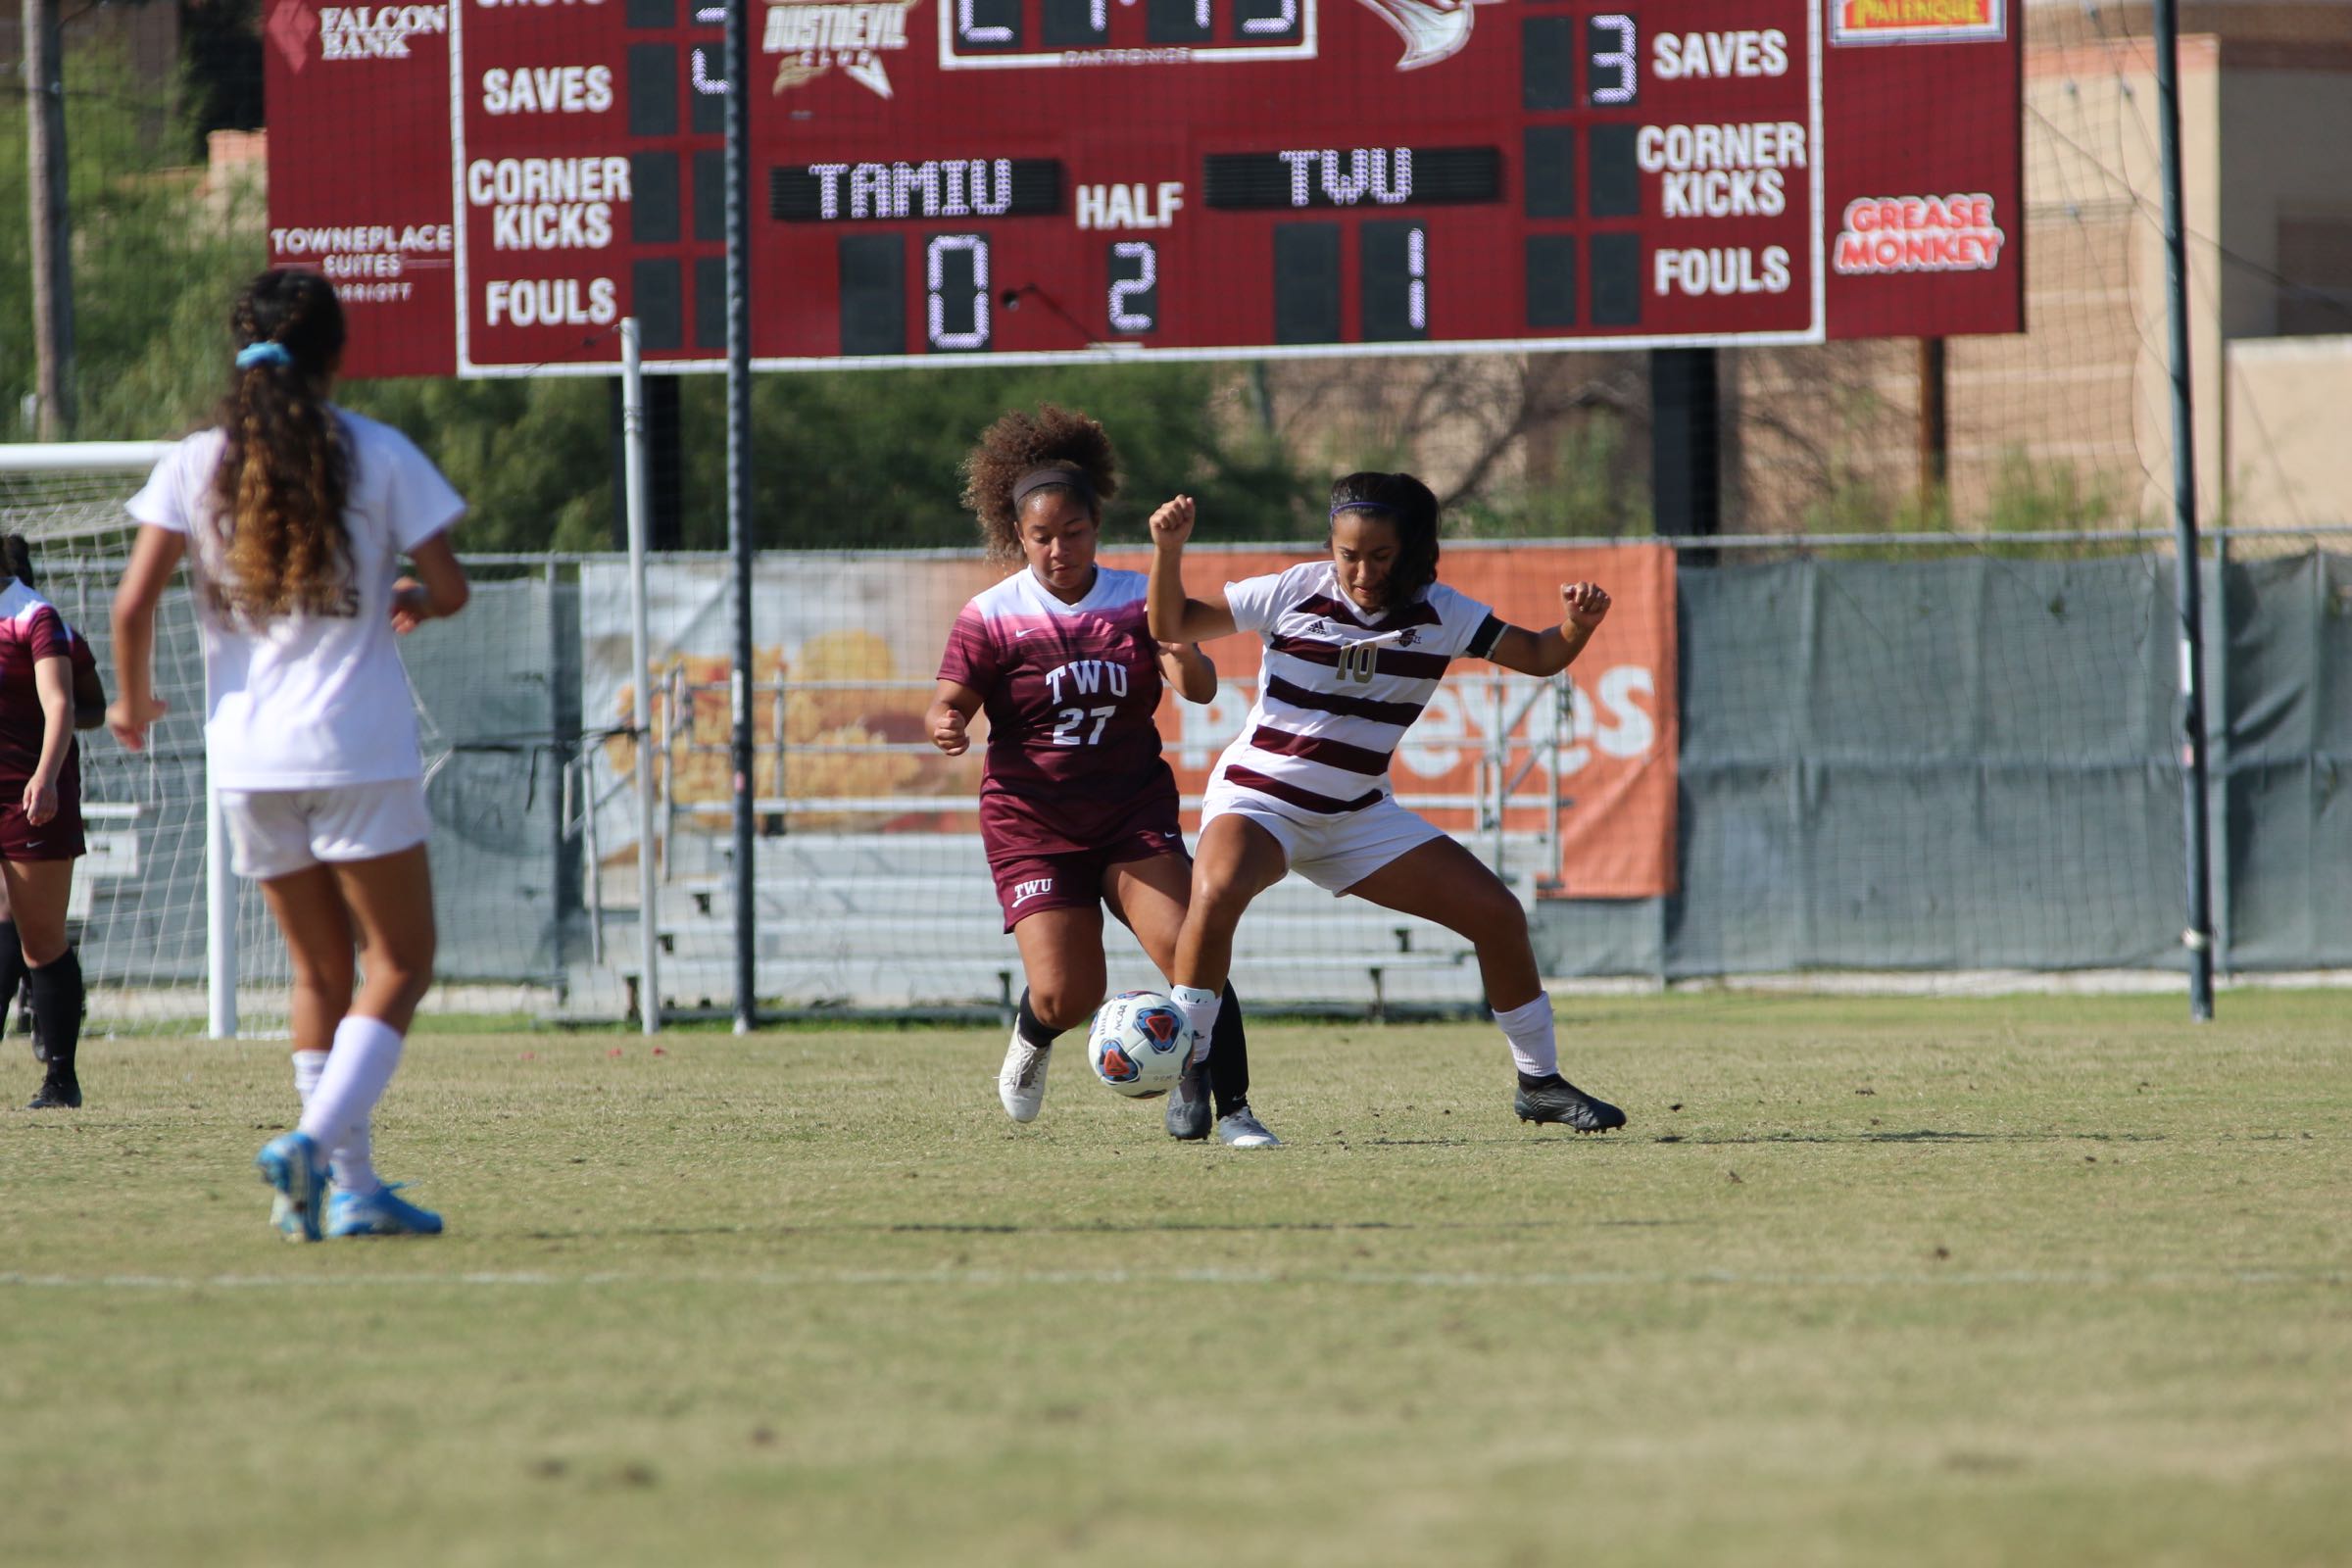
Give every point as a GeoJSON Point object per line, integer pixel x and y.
{"type": "Point", "coordinates": [2187, 590]}
{"type": "Point", "coordinates": [51, 233]}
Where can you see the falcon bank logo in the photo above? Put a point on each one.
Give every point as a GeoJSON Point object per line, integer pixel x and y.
{"type": "Point", "coordinates": [351, 32]}
{"type": "Point", "coordinates": [812, 36]}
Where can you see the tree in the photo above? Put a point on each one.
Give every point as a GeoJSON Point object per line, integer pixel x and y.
{"type": "Point", "coordinates": [157, 257]}
{"type": "Point", "coordinates": [850, 459]}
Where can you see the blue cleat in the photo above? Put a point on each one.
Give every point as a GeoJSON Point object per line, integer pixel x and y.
{"type": "Point", "coordinates": [378, 1213]}
{"type": "Point", "coordinates": [295, 1167]}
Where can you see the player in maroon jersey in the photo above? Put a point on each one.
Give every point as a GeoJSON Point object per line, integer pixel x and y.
{"type": "Point", "coordinates": [1077, 808]}
{"type": "Point", "coordinates": [41, 821]}
{"type": "Point", "coordinates": [89, 711]}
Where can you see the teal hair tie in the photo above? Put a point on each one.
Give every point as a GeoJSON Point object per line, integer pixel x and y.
{"type": "Point", "coordinates": [253, 354]}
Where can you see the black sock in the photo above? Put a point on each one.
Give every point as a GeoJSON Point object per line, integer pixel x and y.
{"type": "Point", "coordinates": [57, 1008]}
{"type": "Point", "coordinates": [12, 969]}
{"type": "Point", "coordinates": [1033, 1028]}
{"type": "Point", "coordinates": [1229, 1056]}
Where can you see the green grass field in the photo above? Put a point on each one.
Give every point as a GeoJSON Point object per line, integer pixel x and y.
{"type": "Point", "coordinates": [1890, 1282]}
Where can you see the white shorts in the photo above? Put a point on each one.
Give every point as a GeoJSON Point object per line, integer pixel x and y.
{"type": "Point", "coordinates": [278, 832]}
{"type": "Point", "coordinates": [1334, 852]}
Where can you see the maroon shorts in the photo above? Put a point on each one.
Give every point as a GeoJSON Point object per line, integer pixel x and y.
{"type": "Point", "coordinates": [58, 839]}
{"type": "Point", "coordinates": [1028, 881]}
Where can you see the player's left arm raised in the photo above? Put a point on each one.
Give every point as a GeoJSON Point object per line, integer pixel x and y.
{"type": "Point", "coordinates": [1583, 606]}
{"type": "Point", "coordinates": [1186, 667]}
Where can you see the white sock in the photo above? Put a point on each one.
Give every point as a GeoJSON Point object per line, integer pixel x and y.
{"type": "Point", "coordinates": [308, 1065]}
{"type": "Point", "coordinates": [1528, 1030]}
{"type": "Point", "coordinates": [1199, 1010]}
{"type": "Point", "coordinates": [337, 1115]}
{"type": "Point", "coordinates": [352, 1159]}
{"type": "Point", "coordinates": [353, 1172]}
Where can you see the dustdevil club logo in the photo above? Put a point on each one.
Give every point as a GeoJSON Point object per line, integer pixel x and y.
{"type": "Point", "coordinates": [815, 37]}
{"type": "Point", "coordinates": [1432, 30]}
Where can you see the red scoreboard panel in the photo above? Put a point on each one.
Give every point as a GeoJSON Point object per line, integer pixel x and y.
{"type": "Point", "coordinates": [496, 182]}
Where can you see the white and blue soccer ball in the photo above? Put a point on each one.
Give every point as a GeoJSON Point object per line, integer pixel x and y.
{"type": "Point", "coordinates": [1138, 1044]}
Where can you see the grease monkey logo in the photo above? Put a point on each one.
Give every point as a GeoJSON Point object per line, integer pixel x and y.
{"type": "Point", "coordinates": [812, 36]}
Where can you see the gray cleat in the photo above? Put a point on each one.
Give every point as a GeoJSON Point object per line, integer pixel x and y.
{"type": "Point", "coordinates": [1239, 1128]}
{"type": "Point", "coordinates": [1188, 1104]}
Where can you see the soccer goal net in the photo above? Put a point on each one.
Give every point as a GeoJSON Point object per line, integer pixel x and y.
{"type": "Point", "coordinates": [168, 938]}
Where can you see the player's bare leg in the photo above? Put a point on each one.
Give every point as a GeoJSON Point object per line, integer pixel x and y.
{"type": "Point", "coordinates": [388, 905]}
{"type": "Point", "coordinates": [1061, 963]}
{"type": "Point", "coordinates": [310, 903]}
{"type": "Point", "coordinates": [1235, 862]}
{"type": "Point", "coordinates": [1444, 882]}
{"type": "Point", "coordinates": [1150, 895]}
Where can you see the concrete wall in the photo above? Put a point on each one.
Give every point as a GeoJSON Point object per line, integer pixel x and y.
{"type": "Point", "coordinates": [2288, 415]}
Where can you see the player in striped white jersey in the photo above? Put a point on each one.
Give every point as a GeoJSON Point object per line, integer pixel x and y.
{"type": "Point", "coordinates": [1354, 648]}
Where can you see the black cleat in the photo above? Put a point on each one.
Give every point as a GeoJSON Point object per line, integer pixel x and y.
{"type": "Point", "coordinates": [1554, 1099]}
{"type": "Point", "coordinates": [59, 1091]}
{"type": "Point", "coordinates": [1188, 1104]}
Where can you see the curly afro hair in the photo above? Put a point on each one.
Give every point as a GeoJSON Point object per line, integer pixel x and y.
{"type": "Point", "coordinates": [1019, 442]}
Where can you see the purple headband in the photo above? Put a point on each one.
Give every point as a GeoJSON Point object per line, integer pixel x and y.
{"type": "Point", "coordinates": [1358, 505]}
{"type": "Point", "coordinates": [1035, 479]}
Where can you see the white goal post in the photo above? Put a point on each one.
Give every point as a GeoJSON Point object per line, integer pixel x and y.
{"type": "Point", "coordinates": [68, 499]}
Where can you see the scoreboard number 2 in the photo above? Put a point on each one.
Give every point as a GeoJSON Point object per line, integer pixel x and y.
{"type": "Point", "coordinates": [1134, 287]}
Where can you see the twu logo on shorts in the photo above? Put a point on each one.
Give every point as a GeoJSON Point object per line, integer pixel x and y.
{"type": "Point", "coordinates": [1024, 890]}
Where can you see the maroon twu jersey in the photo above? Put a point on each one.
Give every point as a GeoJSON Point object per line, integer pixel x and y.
{"type": "Point", "coordinates": [30, 630]}
{"type": "Point", "coordinates": [1069, 691]}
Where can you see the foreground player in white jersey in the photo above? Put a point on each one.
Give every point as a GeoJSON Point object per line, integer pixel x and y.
{"type": "Point", "coordinates": [1355, 646]}
{"type": "Point", "coordinates": [293, 515]}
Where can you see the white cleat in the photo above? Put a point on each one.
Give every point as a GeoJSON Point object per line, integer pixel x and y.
{"type": "Point", "coordinates": [1021, 1081]}
{"type": "Point", "coordinates": [1240, 1129]}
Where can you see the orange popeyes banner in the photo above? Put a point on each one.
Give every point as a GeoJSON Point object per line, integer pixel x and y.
{"type": "Point", "coordinates": [1617, 743]}
{"type": "Point", "coordinates": [845, 645]}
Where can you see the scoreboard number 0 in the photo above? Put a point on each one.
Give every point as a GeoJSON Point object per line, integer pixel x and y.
{"type": "Point", "coordinates": [956, 283]}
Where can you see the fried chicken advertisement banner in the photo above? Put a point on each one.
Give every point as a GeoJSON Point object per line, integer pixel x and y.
{"type": "Point", "coordinates": [846, 647]}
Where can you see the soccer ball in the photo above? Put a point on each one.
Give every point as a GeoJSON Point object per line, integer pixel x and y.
{"type": "Point", "coordinates": [1138, 1044]}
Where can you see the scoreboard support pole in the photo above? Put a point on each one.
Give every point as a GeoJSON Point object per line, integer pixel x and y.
{"type": "Point", "coordinates": [739, 492]}
{"type": "Point", "coordinates": [1933, 437]}
{"type": "Point", "coordinates": [1686, 456]}
{"type": "Point", "coordinates": [2188, 589]}
{"type": "Point", "coordinates": [665, 463]}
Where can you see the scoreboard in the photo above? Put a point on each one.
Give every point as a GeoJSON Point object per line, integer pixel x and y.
{"type": "Point", "coordinates": [494, 183]}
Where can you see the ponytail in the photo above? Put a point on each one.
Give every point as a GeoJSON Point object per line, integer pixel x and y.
{"type": "Point", "coordinates": [285, 471]}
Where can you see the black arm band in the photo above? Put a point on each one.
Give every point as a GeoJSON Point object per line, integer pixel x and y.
{"type": "Point", "coordinates": [1482, 640]}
